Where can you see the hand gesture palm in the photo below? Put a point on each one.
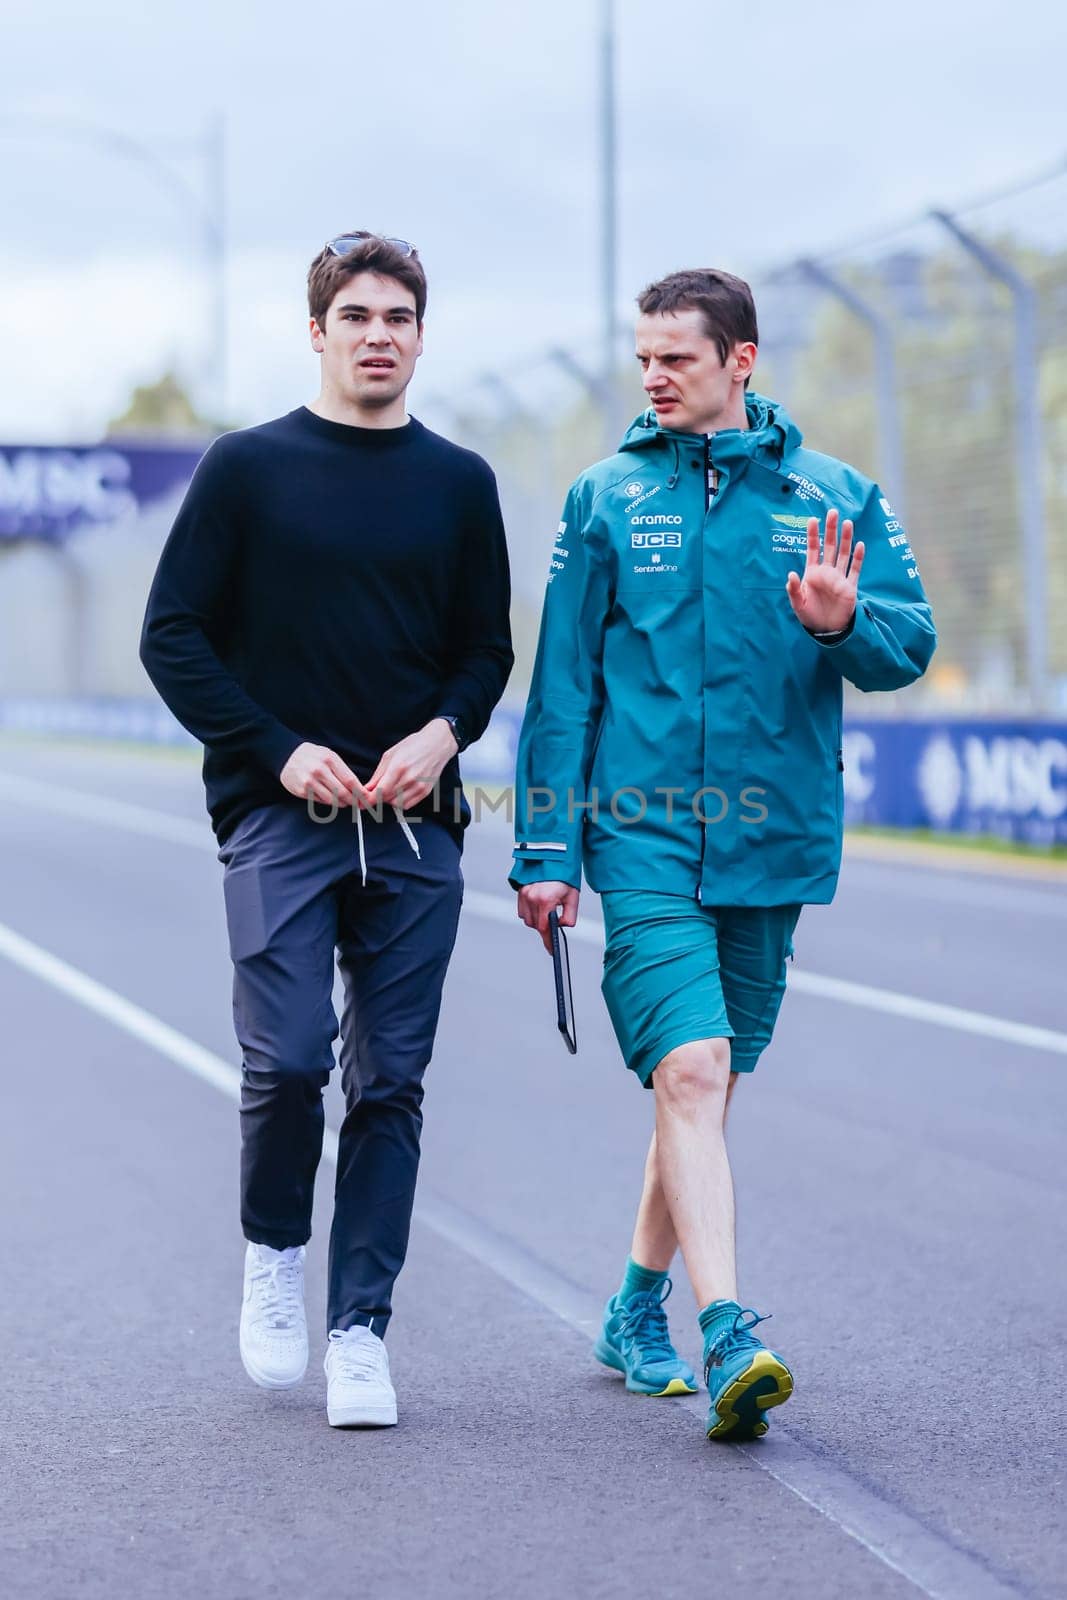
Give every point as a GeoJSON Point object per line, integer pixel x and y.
{"type": "Point", "coordinates": [824, 598]}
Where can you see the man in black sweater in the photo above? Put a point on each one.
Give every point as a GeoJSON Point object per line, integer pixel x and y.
{"type": "Point", "coordinates": [330, 618]}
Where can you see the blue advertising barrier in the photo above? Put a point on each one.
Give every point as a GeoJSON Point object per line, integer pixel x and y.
{"type": "Point", "coordinates": [103, 717]}
{"type": "Point", "coordinates": [48, 493]}
{"type": "Point", "coordinates": [145, 721]}
{"type": "Point", "coordinates": [1005, 778]}
{"type": "Point", "coordinates": [1008, 779]}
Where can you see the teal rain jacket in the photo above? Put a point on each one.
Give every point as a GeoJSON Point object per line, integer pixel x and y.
{"type": "Point", "coordinates": [683, 731]}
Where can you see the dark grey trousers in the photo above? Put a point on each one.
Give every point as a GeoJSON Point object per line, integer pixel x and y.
{"type": "Point", "coordinates": [294, 902]}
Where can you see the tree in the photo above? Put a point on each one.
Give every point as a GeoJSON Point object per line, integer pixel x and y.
{"type": "Point", "coordinates": [163, 408]}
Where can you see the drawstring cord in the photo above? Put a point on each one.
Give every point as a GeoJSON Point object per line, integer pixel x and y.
{"type": "Point", "coordinates": [405, 828]}
{"type": "Point", "coordinates": [362, 847]}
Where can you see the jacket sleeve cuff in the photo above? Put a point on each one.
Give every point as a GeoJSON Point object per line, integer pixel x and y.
{"type": "Point", "coordinates": [854, 652]}
{"type": "Point", "coordinates": [530, 868]}
{"type": "Point", "coordinates": [832, 640]}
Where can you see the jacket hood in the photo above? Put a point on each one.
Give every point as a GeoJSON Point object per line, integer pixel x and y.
{"type": "Point", "coordinates": [771, 434]}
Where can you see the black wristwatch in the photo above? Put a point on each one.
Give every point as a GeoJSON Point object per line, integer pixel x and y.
{"type": "Point", "coordinates": [459, 732]}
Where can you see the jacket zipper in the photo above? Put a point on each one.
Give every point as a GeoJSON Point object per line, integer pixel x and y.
{"type": "Point", "coordinates": [707, 508]}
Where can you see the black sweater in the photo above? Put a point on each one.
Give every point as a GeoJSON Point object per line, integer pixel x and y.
{"type": "Point", "coordinates": [333, 584]}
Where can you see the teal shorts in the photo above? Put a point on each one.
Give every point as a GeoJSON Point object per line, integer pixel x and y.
{"type": "Point", "coordinates": [676, 971]}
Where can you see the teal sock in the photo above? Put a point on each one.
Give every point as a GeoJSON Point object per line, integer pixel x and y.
{"type": "Point", "coordinates": [638, 1280]}
{"type": "Point", "coordinates": [716, 1316]}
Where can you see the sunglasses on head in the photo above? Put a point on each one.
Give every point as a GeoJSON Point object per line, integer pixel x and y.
{"type": "Point", "coordinates": [345, 243]}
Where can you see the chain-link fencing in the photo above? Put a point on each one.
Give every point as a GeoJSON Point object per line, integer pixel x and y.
{"type": "Point", "coordinates": [934, 358]}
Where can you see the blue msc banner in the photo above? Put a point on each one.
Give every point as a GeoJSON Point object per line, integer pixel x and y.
{"type": "Point", "coordinates": [1002, 778]}
{"type": "Point", "coordinates": [50, 493]}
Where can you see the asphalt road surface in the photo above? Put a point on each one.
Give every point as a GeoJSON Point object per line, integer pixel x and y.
{"type": "Point", "coordinates": [899, 1158]}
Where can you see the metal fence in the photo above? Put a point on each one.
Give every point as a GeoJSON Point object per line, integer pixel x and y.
{"type": "Point", "coordinates": [934, 358]}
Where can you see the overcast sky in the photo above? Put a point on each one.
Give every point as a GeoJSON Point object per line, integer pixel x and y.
{"type": "Point", "coordinates": [747, 134]}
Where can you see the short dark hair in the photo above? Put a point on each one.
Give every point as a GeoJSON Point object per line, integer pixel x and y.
{"type": "Point", "coordinates": [329, 272]}
{"type": "Point", "coordinates": [724, 302]}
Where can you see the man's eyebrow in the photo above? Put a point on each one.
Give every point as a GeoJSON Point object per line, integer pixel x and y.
{"type": "Point", "coordinates": [393, 311]}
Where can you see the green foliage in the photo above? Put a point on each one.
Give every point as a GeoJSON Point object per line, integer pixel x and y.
{"type": "Point", "coordinates": [163, 409]}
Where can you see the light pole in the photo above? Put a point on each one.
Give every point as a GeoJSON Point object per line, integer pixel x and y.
{"type": "Point", "coordinates": [891, 447]}
{"type": "Point", "coordinates": [208, 209]}
{"type": "Point", "coordinates": [609, 223]}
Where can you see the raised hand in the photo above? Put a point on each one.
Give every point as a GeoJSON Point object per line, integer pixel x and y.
{"type": "Point", "coordinates": [824, 599]}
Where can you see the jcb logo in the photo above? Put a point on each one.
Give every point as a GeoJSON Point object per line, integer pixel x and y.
{"type": "Point", "coordinates": [656, 541]}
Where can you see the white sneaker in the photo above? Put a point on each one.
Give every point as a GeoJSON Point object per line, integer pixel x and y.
{"type": "Point", "coordinates": [359, 1393]}
{"type": "Point", "coordinates": [274, 1334]}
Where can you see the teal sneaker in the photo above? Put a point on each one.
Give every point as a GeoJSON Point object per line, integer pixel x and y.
{"type": "Point", "coordinates": [635, 1340]}
{"type": "Point", "coordinates": [744, 1379]}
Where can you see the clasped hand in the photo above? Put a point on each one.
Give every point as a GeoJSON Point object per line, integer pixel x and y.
{"type": "Point", "coordinates": [405, 775]}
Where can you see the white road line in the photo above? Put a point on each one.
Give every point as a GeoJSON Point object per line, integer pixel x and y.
{"type": "Point", "coordinates": [591, 931]}
{"type": "Point", "coordinates": [893, 1537]}
{"type": "Point", "coordinates": [162, 825]}
{"type": "Point", "coordinates": [86, 807]}
{"type": "Point", "coordinates": [941, 1016]}
{"type": "Point", "coordinates": [132, 1019]}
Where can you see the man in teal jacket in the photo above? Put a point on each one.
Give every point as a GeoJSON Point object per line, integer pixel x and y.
{"type": "Point", "coordinates": [710, 587]}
